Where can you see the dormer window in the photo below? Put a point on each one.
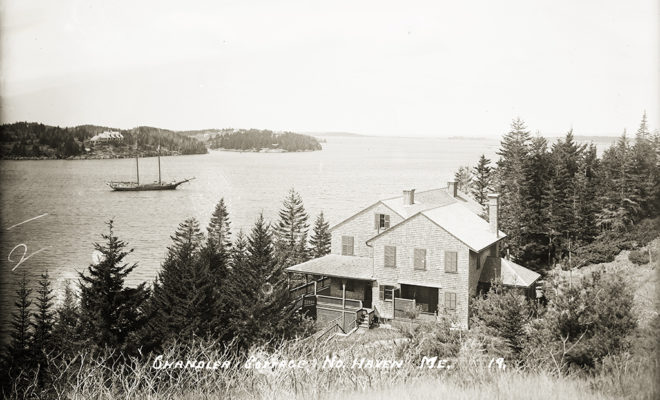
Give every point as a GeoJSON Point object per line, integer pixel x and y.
{"type": "Point", "coordinates": [381, 221]}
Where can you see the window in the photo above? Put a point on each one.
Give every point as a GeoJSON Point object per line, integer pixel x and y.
{"type": "Point", "coordinates": [390, 256]}
{"type": "Point", "coordinates": [420, 259]}
{"type": "Point", "coordinates": [349, 285]}
{"type": "Point", "coordinates": [347, 246]}
{"type": "Point", "coordinates": [386, 292]}
{"type": "Point", "coordinates": [450, 301]}
{"type": "Point", "coordinates": [381, 221]}
{"type": "Point", "coordinates": [451, 261]}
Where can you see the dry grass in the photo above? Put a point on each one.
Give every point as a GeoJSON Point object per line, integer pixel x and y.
{"type": "Point", "coordinates": [98, 378]}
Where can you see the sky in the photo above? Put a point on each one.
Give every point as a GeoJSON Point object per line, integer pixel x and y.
{"type": "Point", "coordinates": [398, 68]}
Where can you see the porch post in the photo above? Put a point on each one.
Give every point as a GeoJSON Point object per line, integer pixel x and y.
{"type": "Point", "coordinates": [315, 288]}
{"type": "Point", "coordinates": [343, 303]}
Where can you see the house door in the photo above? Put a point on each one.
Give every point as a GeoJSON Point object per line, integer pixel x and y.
{"type": "Point", "coordinates": [367, 295]}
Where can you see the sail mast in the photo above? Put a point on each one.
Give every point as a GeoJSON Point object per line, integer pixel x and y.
{"type": "Point", "coordinates": [137, 164]}
{"type": "Point", "coordinates": [159, 160]}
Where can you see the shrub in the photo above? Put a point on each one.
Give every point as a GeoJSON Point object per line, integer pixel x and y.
{"type": "Point", "coordinates": [639, 257]}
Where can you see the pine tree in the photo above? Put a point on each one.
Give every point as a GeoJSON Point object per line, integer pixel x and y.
{"type": "Point", "coordinates": [321, 237]}
{"type": "Point", "coordinates": [291, 231]}
{"type": "Point", "coordinates": [110, 313]}
{"type": "Point", "coordinates": [183, 298]}
{"type": "Point", "coordinates": [482, 182]}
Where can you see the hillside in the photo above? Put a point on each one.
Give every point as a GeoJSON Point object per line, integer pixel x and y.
{"type": "Point", "coordinates": [23, 140]}
{"type": "Point", "coordinates": [257, 140]}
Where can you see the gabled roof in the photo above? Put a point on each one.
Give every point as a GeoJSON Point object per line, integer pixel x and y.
{"type": "Point", "coordinates": [423, 201]}
{"type": "Point", "coordinates": [362, 212]}
{"type": "Point", "coordinates": [465, 225]}
{"type": "Point", "coordinates": [509, 272]}
{"type": "Point", "coordinates": [337, 266]}
{"type": "Point", "coordinates": [458, 221]}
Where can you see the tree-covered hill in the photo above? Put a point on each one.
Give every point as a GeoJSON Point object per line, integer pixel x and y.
{"type": "Point", "coordinates": [30, 140]}
{"type": "Point", "coordinates": [255, 140]}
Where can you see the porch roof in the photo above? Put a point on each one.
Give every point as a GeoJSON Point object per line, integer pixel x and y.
{"type": "Point", "coordinates": [336, 266]}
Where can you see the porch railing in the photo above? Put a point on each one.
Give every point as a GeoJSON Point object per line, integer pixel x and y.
{"type": "Point", "coordinates": [308, 288]}
{"type": "Point", "coordinates": [337, 302]}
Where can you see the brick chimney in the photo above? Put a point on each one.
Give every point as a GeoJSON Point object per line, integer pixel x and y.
{"type": "Point", "coordinates": [493, 211]}
{"type": "Point", "coordinates": [452, 189]}
{"type": "Point", "coordinates": [409, 197]}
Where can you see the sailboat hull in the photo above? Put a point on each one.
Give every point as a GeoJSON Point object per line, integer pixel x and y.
{"type": "Point", "coordinates": [135, 187]}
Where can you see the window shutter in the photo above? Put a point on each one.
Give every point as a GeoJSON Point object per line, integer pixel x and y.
{"type": "Point", "coordinates": [381, 290]}
{"type": "Point", "coordinates": [451, 261]}
{"type": "Point", "coordinates": [390, 256]}
{"type": "Point", "coordinates": [376, 221]}
{"type": "Point", "coordinates": [387, 221]}
{"type": "Point", "coordinates": [450, 301]}
{"type": "Point", "coordinates": [420, 258]}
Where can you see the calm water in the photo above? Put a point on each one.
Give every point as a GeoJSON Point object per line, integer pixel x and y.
{"type": "Point", "coordinates": [349, 174]}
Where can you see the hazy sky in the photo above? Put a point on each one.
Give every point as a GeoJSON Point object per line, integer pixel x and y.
{"type": "Point", "coordinates": [417, 68]}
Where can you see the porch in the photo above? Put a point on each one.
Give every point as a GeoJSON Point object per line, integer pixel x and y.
{"type": "Point", "coordinates": [338, 291]}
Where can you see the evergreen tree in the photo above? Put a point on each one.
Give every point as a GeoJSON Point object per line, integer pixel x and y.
{"type": "Point", "coordinates": [321, 237]}
{"type": "Point", "coordinates": [535, 238]}
{"type": "Point", "coordinates": [219, 231]}
{"type": "Point", "coordinates": [291, 231]}
{"type": "Point", "coordinates": [502, 316]}
{"type": "Point", "coordinates": [42, 345]}
{"type": "Point", "coordinates": [239, 252]}
{"type": "Point", "coordinates": [644, 171]}
{"type": "Point", "coordinates": [21, 334]}
{"type": "Point", "coordinates": [65, 331]}
{"type": "Point", "coordinates": [566, 158]}
{"type": "Point", "coordinates": [464, 179]}
{"type": "Point", "coordinates": [261, 307]}
{"type": "Point", "coordinates": [482, 182]}
{"type": "Point", "coordinates": [620, 199]}
{"type": "Point", "coordinates": [513, 153]}
{"type": "Point", "coordinates": [184, 298]}
{"type": "Point", "coordinates": [42, 342]}
{"type": "Point", "coordinates": [110, 313]}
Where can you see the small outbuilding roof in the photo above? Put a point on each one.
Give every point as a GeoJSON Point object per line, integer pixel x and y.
{"type": "Point", "coordinates": [511, 273]}
{"type": "Point", "coordinates": [333, 265]}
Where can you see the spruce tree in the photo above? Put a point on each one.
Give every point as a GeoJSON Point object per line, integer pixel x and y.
{"type": "Point", "coordinates": [566, 158]}
{"type": "Point", "coordinates": [42, 342]}
{"type": "Point", "coordinates": [481, 185]}
{"type": "Point", "coordinates": [239, 252]}
{"type": "Point", "coordinates": [183, 298]}
{"type": "Point", "coordinates": [321, 238]}
{"type": "Point", "coordinates": [219, 235]}
{"type": "Point", "coordinates": [111, 313]}
{"type": "Point", "coordinates": [535, 250]}
{"type": "Point", "coordinates": [261, 307]}
{"type": "Point", "coordinates": [513, 153]}
{"type": "Point", "coordinates": [65, 331]}
{"type": "Point", "coordinates": [21, 334]}
{"type": "Point", "coordinates": [464, 179]}
{"type": "Point", "coordinates": [291, 231]}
